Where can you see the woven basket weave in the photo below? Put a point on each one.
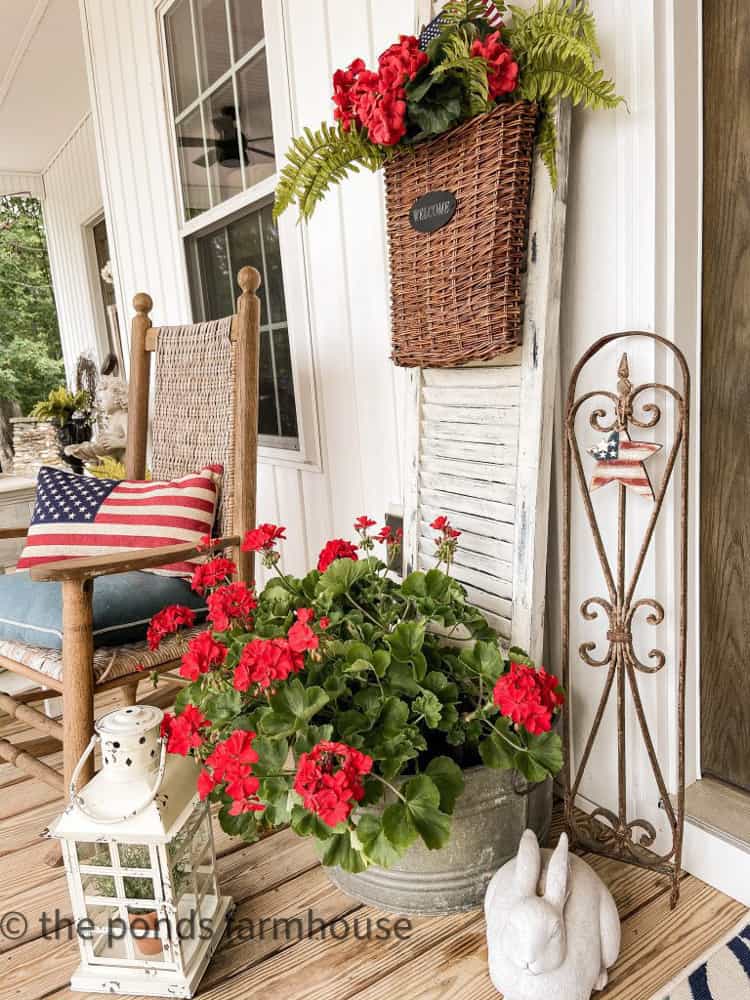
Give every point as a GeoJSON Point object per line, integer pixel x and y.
{"type": "Point", "coordinates": [456, 293]}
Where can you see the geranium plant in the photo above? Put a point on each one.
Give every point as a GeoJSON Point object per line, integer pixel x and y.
{"type": "Point", "coordinates": [545, 52]}
{"type": "Point", "coordinates": [323, 696]}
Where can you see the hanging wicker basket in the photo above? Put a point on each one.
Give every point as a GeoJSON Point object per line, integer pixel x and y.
{"type": "Point", "coordinates": [456, 293]}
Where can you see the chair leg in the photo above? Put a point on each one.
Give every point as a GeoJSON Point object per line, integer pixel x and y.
{"type": "Point", "coordinates": [129, 693]}
{"type": "Point", "coordinates": [78, 677]}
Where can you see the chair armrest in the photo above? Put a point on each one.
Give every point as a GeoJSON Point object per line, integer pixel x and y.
{"type": "Point", "coordinates": [123, 562]}
{"type": "Point", "coordinates": [13, 533]}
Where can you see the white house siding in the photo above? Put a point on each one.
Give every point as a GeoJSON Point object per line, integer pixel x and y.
{"type": "Point", "coordinates": [72, 198]}
{"type": "Point", "coordinates": [357, 389]}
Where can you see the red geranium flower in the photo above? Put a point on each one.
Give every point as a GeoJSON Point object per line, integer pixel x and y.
{"type": "Point", "coordinates": [233, 601]}
{"type": "Point", "coordinates": [203, 653]}
{"type": "Point", "coordinates": [183, 732]}
{"type": "Point", "coordinates": [264, 661]}
{"type": "Point", "coordinates": [502, 69]}
{"type": "Point", "coordinates": [324, 622]}
{"type": "Point", "coordinates": [528, 697]}
{"type": "Point", "coordinates": [168, 620]}
{"type": "Point", "coordinates": [264, 537]}
{"type": "Point", "coordinates": [231, 761]}
{"type": "Point", "coordinates": [363, 523]}
{"type": "Point", "coordinates": [211, 574]}
{"type": "Point", "coordinates": [344, 93]}
{"type": "Point", "coordinates": [329, 779]}
{"type": "Point", "coordinates": [336, 548]}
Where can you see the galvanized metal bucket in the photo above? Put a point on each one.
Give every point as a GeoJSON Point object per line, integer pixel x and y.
{"type": "Point", "coordinates": [488, 821]}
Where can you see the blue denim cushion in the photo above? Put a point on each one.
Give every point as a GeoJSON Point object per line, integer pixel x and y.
{"type": "Point", "coordinates": [31, 612]}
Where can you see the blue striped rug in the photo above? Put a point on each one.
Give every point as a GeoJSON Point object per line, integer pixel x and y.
{"type": "Point", "coordinates": [722, 974]}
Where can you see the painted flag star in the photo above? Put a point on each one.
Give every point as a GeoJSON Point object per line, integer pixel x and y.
{"type": "Point", "coordinates": [620, 460]}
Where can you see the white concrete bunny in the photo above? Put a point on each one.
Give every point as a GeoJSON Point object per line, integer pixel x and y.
{"type": "Point", "coordinates": [554, 946]}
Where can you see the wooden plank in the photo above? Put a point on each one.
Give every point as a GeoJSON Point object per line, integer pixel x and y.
{"type": "Point", "coordinates": [411, 465]}
{"type": "Point", "coordinates": [472, 377]}
{"type": "Point", "coordinates": [483, 564]}
{"type": "Point", "coordinates": [489, 397]}
{"type": "Point", "coordinates": [442, 447]}
{"type": "Point", "coordinates": [508, 417]}
{"type": "Point", "coordinates": [467, 486]}
{"type": "Point", "coordinates": [446, 502]}
{"type": "Point", "coordinates": [472, 432]}
{"type": "Point", "coordinates": [485, 472]}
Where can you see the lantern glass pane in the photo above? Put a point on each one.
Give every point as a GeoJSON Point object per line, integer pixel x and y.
{"type": "Point", "coordinates": [139, 889]}
{"type": "Point", "coordinates": [94, 854]}
{"type": "Point", "coordinates": [134, 856]}
{"type": "Point", "coordinates": [98, 885]}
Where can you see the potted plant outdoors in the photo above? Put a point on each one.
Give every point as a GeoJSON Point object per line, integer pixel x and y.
{"type": "Point", "coordinates": [337, 703]}
{"type": "Point", "coordinates": [143, 920]}
{"type": "Point", "coordinates": [72, 414]}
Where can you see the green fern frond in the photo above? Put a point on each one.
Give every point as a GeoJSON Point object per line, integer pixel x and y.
{"type": "Point", "coordinates": [546, 144]}
{"type": "Point", "coordinates": [457, 11]}
{"type": "Point", "coordinates": [316, 160]}
{"type": "Point", "coordinates": [456, 58]}
{"type": "Point", "coordinates": [549, 79]}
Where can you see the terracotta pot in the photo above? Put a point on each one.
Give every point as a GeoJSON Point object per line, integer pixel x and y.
{"type": "Point", "coordinates": [139, 924]}
{"type": "Point", "coordinates": [488, 821]}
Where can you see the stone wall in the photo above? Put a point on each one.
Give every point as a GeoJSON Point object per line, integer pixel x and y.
{"type": "Point", "coordinates": [35, 444]}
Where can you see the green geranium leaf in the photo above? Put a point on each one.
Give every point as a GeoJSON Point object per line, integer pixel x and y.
{"type": "Point", "coordinates": [495, 752]}
{"type": "Point", "coordinates": [393, 716]}
{"type": "Point", "coordinates": [244, 825]}
{"type": "Point", "coordinates": [423, 808]}
{"type": "Point", "coordinates": [406, 640]}
{"type": "Point", "coordinates": [546, 754]}
{"type": "Point", "coordinates": [349, 723]}
{"type": "Point", "coordinates": [414, 584]}
{"type": "Point", "coordinates": [272, 754]}
{"type": "Point", "coordinates": [339, 852]}
{"type": "Point", "coordinates": [342, 574]}
{"type": "Point", "coordinates": [401, 678]}
{"type": "Point", "coordinates": [292, 707]}
{"type": "Point", "coordinates": [310, 736]}
{"type": "Point", "coordinates": [375, 843]}
{"type": "Point", "coordinates": [486, 658]}
{"type": "Point", "coordinates": [438, 584]}
{"type": "Point", "coordinates": [368, 699]}
{"type": "Point", "coordinates": [449, 779]}
{"type": "Point", "coordinates": [428, 705]}
{"type": "Point", "coordinates": [381, 659]}
{"type": "Point", "coordinates": [398, 826]}
{"type": "Point", "coordinates": [307, 824]}
{"type": "Point", "coordinates": [358, 667]}
{"type": "Point", "coordinates": [222, 706]}
{"type": "Point", "coordinates": [358, 651]}
{"type": "Point", "coordinates": [518, 655]}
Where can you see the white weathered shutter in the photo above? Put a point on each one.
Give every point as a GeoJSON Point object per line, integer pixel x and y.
{"type": "Point", "coordinates": [480, 443]}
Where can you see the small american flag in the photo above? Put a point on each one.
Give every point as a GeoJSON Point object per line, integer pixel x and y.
{"type": "Point", "coordinates": [433, 29]}
{"type": "Point", "coordinates": [79, 516]}
{"type": "Point", "coordinates": [620, 460]}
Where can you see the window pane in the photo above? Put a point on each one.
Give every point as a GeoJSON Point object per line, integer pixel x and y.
{"type": "Point", "coordinates": [181, 55]}
{"type": "Point", "coordinates": [284, 383]}
{"type": "Point", "coordinates": [268, 422]}
{"type": "Point", "coordinates": [255, 119]}
{"type": "Point", "coordinates": [274, 280]}
{"type": "Point", "coordinates": [247, 25]}
{"type": "Point", "coordinates": [193, 165]}
{"type": "Point", "coordinates": [217, 282]}
{"type": "Point", "coordinates": [244, 245]}
{"type": "Point", "coordinates": [213, 40]}
{"type": "Point", "coordinates": [223, 144]}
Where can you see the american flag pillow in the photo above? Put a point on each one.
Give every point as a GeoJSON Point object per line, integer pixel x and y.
{"type": "Point", "coordinates": [79, 516]}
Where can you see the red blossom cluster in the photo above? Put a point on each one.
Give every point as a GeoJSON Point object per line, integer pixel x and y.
{"type": "Point", "coordinates": [446, 542]}
{"type": "Point", "coordinates": [329, 779]}
{"type": "Point", "coordinates": [389, 536]}
{"type": "Point", "coordinates": [377, 101]}
{"type": "Point", "coordinates": [184, 732]}
{"type": "Point", "coordinates": [168, 620]}
{"type": "Point", "coordinates": [265, 661]}
{"type": "Point", "coordinates": [502, 69]}
{"type": "Point", "coordinates": [231, 761]}
{"type": "Point", "coordinates": [203, 653]}
{"type": "Point", "coordinates": [263, 538]}
{"type": "Point", "coordinates": [528, 697]}
{"type": "Point", "coordinates": [336, 548]}
{"type": "Point", "coordinates": [211, 574]}
{"type": "Point", "coordinates": [235, 601]}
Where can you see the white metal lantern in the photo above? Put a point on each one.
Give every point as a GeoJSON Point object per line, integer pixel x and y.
{"type": "Point", "coordinates": [139, 855]}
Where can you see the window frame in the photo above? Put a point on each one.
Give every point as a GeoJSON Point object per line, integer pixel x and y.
{"type": "Point", "coordinates": [292, 247]}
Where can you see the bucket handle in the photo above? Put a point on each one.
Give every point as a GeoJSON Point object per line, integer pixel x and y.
{"type": "Point", "coordinates": [78, 801]}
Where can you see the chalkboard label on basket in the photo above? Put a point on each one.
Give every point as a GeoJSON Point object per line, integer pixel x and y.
{"type": "Point", "coordinates": [432, 211]}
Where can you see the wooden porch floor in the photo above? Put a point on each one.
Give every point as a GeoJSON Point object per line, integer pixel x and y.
{"type": "Point", "coordinates": [279, 877]}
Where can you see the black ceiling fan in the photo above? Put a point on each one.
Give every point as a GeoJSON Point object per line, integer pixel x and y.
{"type": "Point", "coordinates": [226, 150]}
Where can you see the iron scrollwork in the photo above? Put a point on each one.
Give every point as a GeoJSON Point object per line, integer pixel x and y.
{"type": "Point", "coordinates": [604, 831]}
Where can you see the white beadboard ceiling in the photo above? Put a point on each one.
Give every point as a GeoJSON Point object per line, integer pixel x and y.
{"type": "Point", "coordinates": [43, 87]}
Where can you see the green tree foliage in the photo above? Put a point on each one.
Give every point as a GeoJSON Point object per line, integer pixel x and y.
{"type": "Point", "coordinates": [30, 353]}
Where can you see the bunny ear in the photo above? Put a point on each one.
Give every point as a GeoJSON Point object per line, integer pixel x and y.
{"type": "Point", "coordinates": [528, 864]}
{"type": "Point", "coordinates": [557, 874]}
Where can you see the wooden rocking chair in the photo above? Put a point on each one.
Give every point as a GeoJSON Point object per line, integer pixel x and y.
{"type": "Point", "coordinates": [205, 411]}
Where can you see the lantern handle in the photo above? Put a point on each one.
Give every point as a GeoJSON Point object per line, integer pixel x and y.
{"type": "Point", "coordinates": [78, 801]}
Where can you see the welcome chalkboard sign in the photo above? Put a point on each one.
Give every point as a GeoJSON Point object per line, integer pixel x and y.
{"type": "Point", "coordinates": [432, 211]}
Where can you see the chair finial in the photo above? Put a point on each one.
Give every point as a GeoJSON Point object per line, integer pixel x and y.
{"type": "Point", "coordinates": [143, 303]}
{"type": "Point", "coordinates": [248, 278]}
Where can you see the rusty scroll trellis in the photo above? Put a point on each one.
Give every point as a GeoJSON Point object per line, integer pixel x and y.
{"type": "Point", "coordinates": [604, 831]}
